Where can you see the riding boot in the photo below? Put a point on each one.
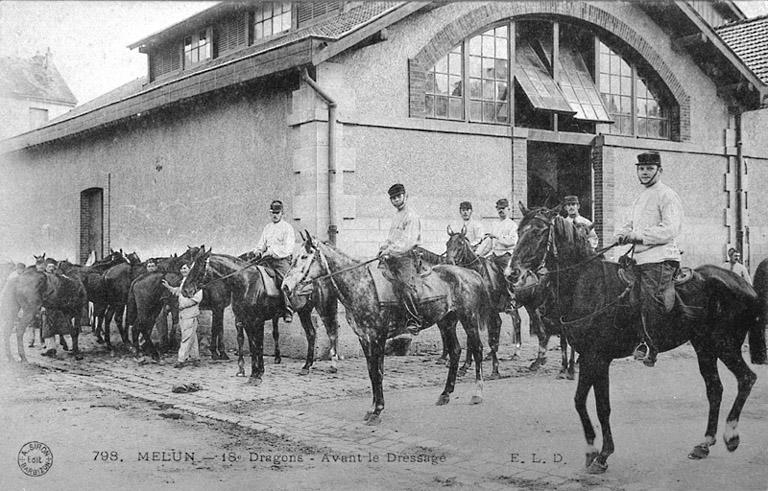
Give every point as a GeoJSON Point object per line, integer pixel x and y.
{"type": "Point", "coordinates": [288, 310]}
{"type": "Point", "coordinates": [646, 351]}
{"type": "Point", "coordinates": [413, 321]}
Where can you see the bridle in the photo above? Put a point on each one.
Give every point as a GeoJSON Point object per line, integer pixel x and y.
{"type": "Point", "coordinates": [467, 247]}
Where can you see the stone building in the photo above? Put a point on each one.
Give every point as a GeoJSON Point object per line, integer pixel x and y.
{"type": "Point", "coordinates": [325, 104]}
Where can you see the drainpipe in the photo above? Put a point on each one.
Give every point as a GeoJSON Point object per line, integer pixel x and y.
{"type": "Point", "coordinates": [739, 186]}
{"type": "Point", "coordinates": [333, 229]}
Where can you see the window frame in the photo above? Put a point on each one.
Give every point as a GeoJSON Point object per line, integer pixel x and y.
{"type": "Point", "coordinates": [256, 20]}
{"type": "Point", "coordinates": [196, 47]}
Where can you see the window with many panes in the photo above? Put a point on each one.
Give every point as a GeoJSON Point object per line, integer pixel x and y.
{"type": "Point", "coordinates": [271, 18]}
{"type": "Point", "coordinates": [650, 118]}
{"type": "Point", "coordinates": [590, 83]}
{"type": "Point", "coordinates": [197, 48]}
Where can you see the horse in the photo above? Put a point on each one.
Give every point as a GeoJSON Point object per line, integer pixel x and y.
{"type": "Point", "coordinates": [460, 251]}
{"type": "Point", "coordinates": [715, 312]}
{"type": "Point", "coordinates": [147, 297]}
{"type": "Point", "coordinates": [250, 302]}
{"type": "Point", "coordinates": [467, 300]}
{"type": "Point", "coordinates": [35, 289]}
{"type": "Point", "coordinates": [117, 281]}
{"type": "Point", "coordinates": [93, 280]}
{"type": "Point", "coordinates": [324, 301]}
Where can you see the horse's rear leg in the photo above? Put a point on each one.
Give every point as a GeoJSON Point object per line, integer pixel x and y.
{"type": "Point", "coordinates": [475, 345]}
{"type": "Point", "coordinates": [218, 351]}
{"type": "Point", "coordinates": [240, 340]}
{"type": "Point", "coordinates": [26, 319]}
{"type": "Point", "coordinates": [276, 339]}
{"type": "Point", "coordinates": [451, 344]}
{"type": "Point", "coordinates": [305, 316]}
{"type": "Point", "coordinates": [118, 311]}
{"type": "Point", "coordinates": [256, 344]}
{"type": "Point", "coordinates": [746, 379]}
{"type": "Point", "coordinates": [75, 334]}
{"type": "Point", "coordinates": [494, 333]}
{"type": "Point", "coordinates": [444, 356]}
{"type": "Point", "coordinates": [467, 361]}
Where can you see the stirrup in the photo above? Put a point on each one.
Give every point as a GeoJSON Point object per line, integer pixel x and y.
{"type": "Point", "coordinates": [641, 352]}
{"type": "Point", "coordinates": [413, 328]}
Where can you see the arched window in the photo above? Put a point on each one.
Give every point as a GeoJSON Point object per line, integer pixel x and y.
{"type": "Point", "coordinates": [588, 88]}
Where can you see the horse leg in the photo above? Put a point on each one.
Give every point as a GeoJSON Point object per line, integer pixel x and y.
{"type": "Point", "coordinates": [601, 383]}
{"type": "Point", "coordinates": [583, 387]}
{"type": "Point", "coordinates": [374, 357]}
{"type": "Point", "coordinates": [571, 374]}
{"type": "Point", "coordinates": [516, 332]}
{"type": "Point", "coordinates": [746, 379]}
{"type": "Point", "coordinates": [494, 333]}
{"type": "Point", "coordinates": [74, 333]}
{"type": "Point", "coordinates": [217, 335]}
{"type": "Point", "coordinates": [708, 370]}
{"type": "Point", "coordinates": [475, 345]}
{"type": "Point", "coordinates": [451, 344]}
{"type": "Point", "coordinates": [118, 311]}
{"type": "Point", "coordinates": [63, 342]}
{"type": "Point", "coordinates": [305, 316]}
{"type": "Point", "coordinates": [27, 317]}
{"type": "Point", "coordinates": [444, 356]}
{"type": "Point", "coordinates": [332, 329]}
{"type": "Point", "coordinates": [276, 339]}
{"type": "Point", "coordinates": [467, 361]}
{"type": "Point", "coordinates": [240, 340]}
{"type": "Point", "coordinates": [256, 343]}
{"type": "Point", "coordinates": [543, 337]}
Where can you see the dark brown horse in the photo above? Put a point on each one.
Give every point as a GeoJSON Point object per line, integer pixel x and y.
{"type": "Point", "coordinates": [33, 290]}
{"type": "Point", "coordinates": [250, 302]}
{"type": "Point", "coordinates": [324, 301]}
{"type": "Point", "coordinates": [716, 311]}
{"type": "Point", "coordinates": [467, 300]}
{"type": "Point", "coordinates": [117, 283]}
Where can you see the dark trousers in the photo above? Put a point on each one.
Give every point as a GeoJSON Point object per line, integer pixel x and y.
{"type": "Point", "coordinates": [654, 279]}
{"type": "Point", "coordinates": [405, 280]}
{"type": "Point", "coordinates": [280, 266]}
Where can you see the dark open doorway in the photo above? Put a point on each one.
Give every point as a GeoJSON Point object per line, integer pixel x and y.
{"type": "Point", "coordinates": [558, 170]}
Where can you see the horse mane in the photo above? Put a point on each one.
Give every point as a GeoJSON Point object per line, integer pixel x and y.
{"type": "Point", "coordinates": [429, 256]}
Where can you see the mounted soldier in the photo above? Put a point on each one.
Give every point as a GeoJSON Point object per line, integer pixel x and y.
{"type": "Point", "coordinates": [472, 228]}
{"type": "Point", "coordinates": [571, 206]}
{"type": "Point", "coordinates": [398, 256]}
{"type": "Point", "coordinates": [275, 248]}
{"type": "Point", "coordinates": [657, 216]}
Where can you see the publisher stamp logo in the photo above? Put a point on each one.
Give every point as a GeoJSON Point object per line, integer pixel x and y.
{"type": "Point", "coordinates": [35, 459]}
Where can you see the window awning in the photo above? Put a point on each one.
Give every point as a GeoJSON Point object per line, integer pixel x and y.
{"type": "Point", "coordinates": [537, 84]}
{"type": "Point", "coordinates": [579, 89]}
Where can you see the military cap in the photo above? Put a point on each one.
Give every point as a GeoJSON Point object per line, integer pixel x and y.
{"type": "Point", "coordinates": [465, 205]}
{"type": "Point", "coordinates": [571, 200]}
{"type": "Point", "coordinates": [396, 189]}
{"type": "Point", "coordinates": [649, 158]}
{"type": "Point", "coordinates": [276, 206]}
{"type": "Point", "coordinates": [502, 203]}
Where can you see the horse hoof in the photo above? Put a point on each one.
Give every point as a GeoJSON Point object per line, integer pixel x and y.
{"type": "Point", "coordinates": [78, 357]}
{"type": "Point", "coordinates": [255, 381]}
{"type": "Point", "coordinates": [443, 400]}
{"type": "Point", "coordinates": [570, 376]}
{"type": "Point", "coordinates": [699, 452]}
{"type": "Point", "coordinates": [333, 369]}
{"type": "Point", "coordinates": [462, 371]}
{"type": "Point", "coordinates": [596, 467]}
{"type": "Point", "coordinates": [304, 371]}
{"type": "Point", "coordinates": [99, 340]}
{"type": "Point", "coordinates": [374, 420]}
{"type": "Point", "coordinates": [441, 360]}
{"type": "Point", "coordinates": [278, 360]}
{"type": "Point", "coordinates": [494, 376]}
{"type": "Point", "coordinates": [732, 444]}
{"type": "Point", "coordinates": [368, 415]}
{"type": "Point", "coordinates": [240, 374]}
{"type": "Point", "coordinates": [475, 400]}
{"type": "Point", "coordinates": [591, 456]}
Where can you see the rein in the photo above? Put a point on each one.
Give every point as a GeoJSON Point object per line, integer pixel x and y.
{"type": "Point", "coordinates": [248, 264]}
{"type": "Point", "coordinates": [334, 273]}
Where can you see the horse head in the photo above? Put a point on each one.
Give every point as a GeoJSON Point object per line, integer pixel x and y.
{"type": "Point", "coordinates": [533, 244]}
{"type": "Point", "coordinates": [306, 266]}
{"type": "Point", "coordinates": [197, 272]}
{"type": "Point", "coordinates": [458, 249]}
{"type": "Point", "coordinates": [133, 258]}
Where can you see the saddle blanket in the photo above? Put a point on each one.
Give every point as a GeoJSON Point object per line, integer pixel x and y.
{"type": "Point", "coordinates": [270, 281]}
{"type": "Point", "coordinates": [433, 288]}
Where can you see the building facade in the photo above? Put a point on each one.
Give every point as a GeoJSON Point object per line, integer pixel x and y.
{"type": "Point", "coordinates": [326, 104]}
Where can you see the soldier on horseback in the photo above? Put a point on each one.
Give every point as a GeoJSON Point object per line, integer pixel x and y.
{"type": "Point", "coordinates": [275, 247]}
{"type": "Point", "coordinates": [473, 228]}
{"type": "Point", "coordinates": [657, 216]}
{"type": "Point", "coordinates": [571, 205]}
{"type": "Point", "coordinates": [398, 256]}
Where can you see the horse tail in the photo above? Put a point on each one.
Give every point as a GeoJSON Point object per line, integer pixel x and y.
{"type": "Point", "coordinates": [757, 345]}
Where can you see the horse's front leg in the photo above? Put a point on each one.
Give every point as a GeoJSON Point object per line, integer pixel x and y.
{"type": "Point", "coordinates": [240, 340]}
{"type": "Point", "coordinates": [583, 386]}
{"type": "Point", "coordinates": [218, 351]}
{"type": "Point", "coordinates": [74, 333]}
{"type": "Point", "coordinates": [451, 344]}
{"type": "Point", "coordinates": [475, 346]}
{"type": "Point", "coordinates": [332, 330]}
{"type": "Point", "coordinates": [276, 340]}
{"type": "Point", "coordinates": [601, 383]}
{"type": "Point", "coordinates": [517, 337]}
{"type": "Point", "coordinates": [374, 357]}
{"type": "Point", "coordinates": [707, 359]}
{"type": "Point", "coordinates": [746, 379]}
{"type": "Point", "coordinates": [256, 343]}
{"type": "Point", "coordinates": [305, 316]}
{"type": "Point", "coordinates": [494, 333]}
{"type": "Point", "coordinates": [543, 337]}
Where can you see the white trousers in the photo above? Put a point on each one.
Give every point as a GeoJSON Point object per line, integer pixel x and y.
{"type": "Point", "coordinates": [188, 348]}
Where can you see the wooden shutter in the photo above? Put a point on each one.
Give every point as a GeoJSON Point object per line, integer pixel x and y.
{"type": "Point", "coordinates": [306, 11]}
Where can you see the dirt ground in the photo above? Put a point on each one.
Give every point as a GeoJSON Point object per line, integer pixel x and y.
{"type": "Point", "coordinates": [80, 422]}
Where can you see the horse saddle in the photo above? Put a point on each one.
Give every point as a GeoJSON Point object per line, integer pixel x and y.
{"type": "Point", "coordinates": [682, 294]}
{"type": "Point", "coordinates": [430, 288]}
{"type": "Point", "coordinates": [270, 281]}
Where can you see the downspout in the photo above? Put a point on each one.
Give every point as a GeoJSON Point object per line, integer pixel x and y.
{"type": "Point", "coordinates": [739, 186]}
{"type": "Point", "coordinates": [333, 229]}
